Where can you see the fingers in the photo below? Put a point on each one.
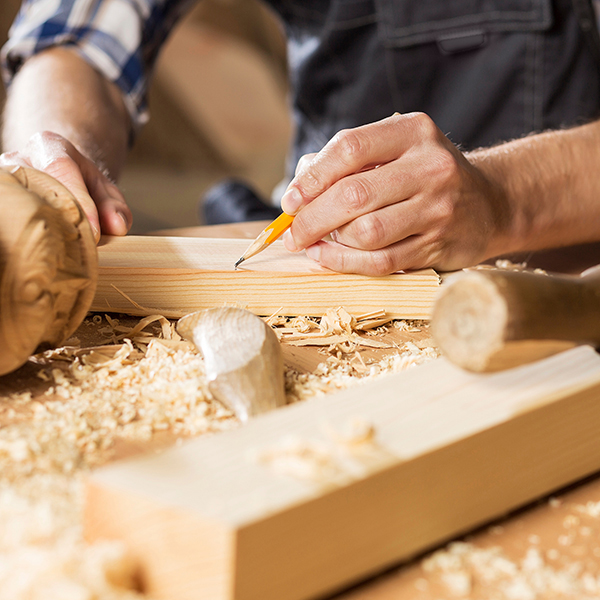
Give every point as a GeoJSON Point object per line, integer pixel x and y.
{"type": "Point", "coordinates": [407, 254]}
{"type": "Point", "coordinates": [304, 161]}
{"type": "Point", "coordinates": [353, 150]}
{"type": "Point", "coordinates": [394, 195]}
{"type": "Point", "coordinates": [113, 213]}
{"type": "Point", "coordinates": [100, 200]}
{"type": "Point", "coordinates": [351, 207]}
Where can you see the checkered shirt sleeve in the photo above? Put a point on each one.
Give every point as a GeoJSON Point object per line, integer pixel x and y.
{"type": "Point", "coordinates": [120, 38]}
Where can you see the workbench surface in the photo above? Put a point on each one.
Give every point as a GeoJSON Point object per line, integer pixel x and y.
{"type": "Point", "coordinates": [549, 550]}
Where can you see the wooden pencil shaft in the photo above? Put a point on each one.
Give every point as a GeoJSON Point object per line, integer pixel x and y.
{"type": "Point", "coordinates": [278, 227]}
{"type": "Point", "coordinates": [267, 236]}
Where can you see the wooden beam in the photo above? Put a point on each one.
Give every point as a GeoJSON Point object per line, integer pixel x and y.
{"type": "Point", "coordinates": [174, 276]}
{"type": "Point", "coordinates": [296, 504]}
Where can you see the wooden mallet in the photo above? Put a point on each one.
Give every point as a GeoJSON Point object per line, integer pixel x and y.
{"type": "Point", "coordinates": [488, 320]}
{"type": "Point", "coordinates": [48, 264]}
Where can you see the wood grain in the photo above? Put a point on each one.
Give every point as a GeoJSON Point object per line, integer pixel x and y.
{"type": "Point", "coordinates": [451, 451]}
{"type": "Point", "coordinates": [175, 276]}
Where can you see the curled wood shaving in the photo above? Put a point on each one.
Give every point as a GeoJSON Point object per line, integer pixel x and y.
{"type": "Point", "coordinates": [336, 321]}
{"type": "Point", "coordinates": [336, 328]}
{"type": "Point", "coordinates": [336, 339]}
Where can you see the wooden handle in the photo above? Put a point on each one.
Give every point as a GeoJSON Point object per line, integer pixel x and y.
{"type": "Point", "coordinates": [48, 264]}
{"type": "Point", "coordinates": [242, 358]}
{"type": "Point", "coordinates": [493, 320]}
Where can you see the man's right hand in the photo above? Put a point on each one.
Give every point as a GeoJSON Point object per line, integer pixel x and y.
{"type": "Point", "coordinates": [100, 199]}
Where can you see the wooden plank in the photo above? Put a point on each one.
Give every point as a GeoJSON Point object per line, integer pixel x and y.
{"type": "Point", "coordinates": [175, 276]}
{"type": "Point", "coordinates": [253, 513]}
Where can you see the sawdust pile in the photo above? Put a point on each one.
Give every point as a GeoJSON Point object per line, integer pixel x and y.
{"type": "Point", "coordinates": [341, 336]}
{"type": "Point", "coordinates": [563, 567]}
{"type": "Point", "coordinates": [142, 382]}
{"type": "Point", "coordinates": [130, 389]}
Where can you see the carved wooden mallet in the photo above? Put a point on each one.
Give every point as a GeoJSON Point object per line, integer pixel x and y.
{"type": "Point", "coordinates": [242, 358]}
{"type": "Point", "coordinates": [48, 264]}
{"type": "Point", "coordinates": [488, 320]}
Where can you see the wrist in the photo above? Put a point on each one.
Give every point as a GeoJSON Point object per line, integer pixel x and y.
{"type": "Point", "coordinates": [519, 180]}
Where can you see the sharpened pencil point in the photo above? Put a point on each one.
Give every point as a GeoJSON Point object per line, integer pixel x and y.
{"type": "Point", "coordinates": [239, 262]}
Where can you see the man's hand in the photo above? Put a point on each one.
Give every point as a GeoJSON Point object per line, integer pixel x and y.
{"type": "Point", "coordinates": [84, 122]}
{"type": "Point", "coordinates": [394, 195]}
{"type": "Point", "coordinates": [100, 199]}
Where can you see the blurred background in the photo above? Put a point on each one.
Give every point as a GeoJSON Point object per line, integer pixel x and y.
{"type": "Point", "coordinates": [219, 109]}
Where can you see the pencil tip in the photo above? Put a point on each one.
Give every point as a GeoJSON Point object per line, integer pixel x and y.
{"type": "Point", "coordinates": [239, 262]}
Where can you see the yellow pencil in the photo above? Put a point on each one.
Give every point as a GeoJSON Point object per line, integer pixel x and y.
{"type": "Point", "coordinates": [267, 236]}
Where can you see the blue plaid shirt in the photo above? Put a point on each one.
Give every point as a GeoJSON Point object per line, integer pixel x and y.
{"type": "Point", "coordinates": [120, 38]}
{"type": "Point", "coordinates": [485, 70]}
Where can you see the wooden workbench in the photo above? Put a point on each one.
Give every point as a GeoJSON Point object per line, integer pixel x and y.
{"type": "Point", "coordinates": [549, 550]}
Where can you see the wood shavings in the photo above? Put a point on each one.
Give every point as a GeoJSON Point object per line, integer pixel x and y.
{"type": "Point", "coordinates": [138, 382]}
{"type": "Point", "coordinates": [504, 264]}
{"type": "Point", "coordinates": [102, 394]}
{"type": "Point", "coordinates": [336, 321]}
{"type": "Point", "coordinates": [302, 324]}
{"type": "Point", "coordinates": [592, 509]}
{"type": "Point", "coordinates": [42, 554]}
{"type": "Point", "coordinates": [406, 326]}
{"type": "Point", "coordinates": [133, 302]}
{"type": "Point", "coordinates": [337, 328]}
{"type": "Point", "coordinates": [559, 564]}
{"type": "Point", "coordinates": [341, 457]}
{"type": "Point", "coordinates": [467, 571]}
{"type": "Point", "coordinates": [338, 373]}
{"type": "Point", "coordinates": [319, 340]}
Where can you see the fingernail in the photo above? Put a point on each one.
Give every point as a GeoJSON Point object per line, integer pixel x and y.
{"type": "Point", "coordinates": [314, 252]}
{"type": "Point", "coordinates": [288, 242]}
{"type": "Point", "coordinates": [291, 201]}
{"type": "Point", "coordinates": [124, 219]}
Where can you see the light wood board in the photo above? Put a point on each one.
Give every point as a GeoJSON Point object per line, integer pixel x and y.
{"type": "Point", "coordinates": [175, 276]}
{"type": "Point", "coordinates": [451, 450]}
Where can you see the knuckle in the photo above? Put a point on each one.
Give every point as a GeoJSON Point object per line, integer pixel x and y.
{"type": "Point", "coordinates": [304, 228]}
{"type": "Point", "coordinates": [303, 162]}
{"type": "Point", "coordinates": [445, 211]}
{"type": "Point", "coordinates": [356, 195]}
{"type": "Point", "coordinates": [382, 262]}
{"type": "Point", "coordinates": [309, 178]}
{"type": "Point", "coordinates": [349, 146]}
{"type": "Point", "coordinates": [369, 231]}
{"type": "Point", "coordinates": [425, 125]}
{"type": "Point", "coordinates": [340, 263]}
{"type": "Point", "coordinates": [59, 165]}
{"type": "Point", "coordinates": [445, 166]}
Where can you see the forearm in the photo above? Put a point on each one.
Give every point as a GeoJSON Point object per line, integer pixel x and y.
{"type": "Point", "coordinates": [58, 91]}
{"type": "Point", "coordinates": [551, 182]}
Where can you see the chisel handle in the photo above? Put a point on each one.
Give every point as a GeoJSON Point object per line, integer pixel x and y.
{"type": "Point", "coordinates": [488, 320]}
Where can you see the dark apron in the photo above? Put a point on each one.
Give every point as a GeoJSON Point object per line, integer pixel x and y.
{"type": "Point", "coordinates": [484, 70]}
